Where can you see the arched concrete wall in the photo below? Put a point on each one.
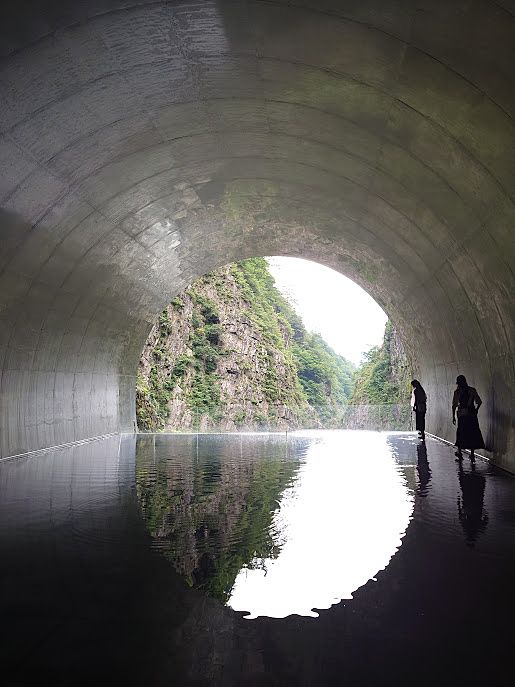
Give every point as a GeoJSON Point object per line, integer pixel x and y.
{"type": "Point", "coordinates": [145, 143]}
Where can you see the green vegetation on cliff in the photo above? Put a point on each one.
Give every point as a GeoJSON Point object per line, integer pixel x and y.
{"type": "Point", "coordinates": [231, 352]}
{"type": "Point", "coordinates": [204, 392]}
{"type": "Point", "coordinates": [231, 348]}
{"type": "Point", "coordinates": [384, 377]}
{"type": "Point", "coordinates": [267, 310]}
{"type": "Point", "coordinates": [153, 390]}
{"type": "Point", "coordinates": [326, 379]}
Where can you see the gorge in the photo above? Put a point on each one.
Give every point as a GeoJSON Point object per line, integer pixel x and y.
{"type": "Point", "coordinates": [230, 352]}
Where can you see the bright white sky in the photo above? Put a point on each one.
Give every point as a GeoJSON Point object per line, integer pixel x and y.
{"type": "Point", "coordinates": [348, 319]}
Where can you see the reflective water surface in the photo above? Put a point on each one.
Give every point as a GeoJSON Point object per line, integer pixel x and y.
{"type": "Point", "coordinates": [318, 558]}
{"type": "Point", "coordinates": [270, 525]}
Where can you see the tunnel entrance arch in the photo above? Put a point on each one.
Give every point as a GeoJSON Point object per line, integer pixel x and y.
{"type": "Point", "coordinates": [272, 344]}
{"type": "Point", "coordinates": [144, 145]}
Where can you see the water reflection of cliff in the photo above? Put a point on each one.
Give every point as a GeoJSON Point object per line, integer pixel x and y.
{"type": "Point", "coordinates": [209, 505]}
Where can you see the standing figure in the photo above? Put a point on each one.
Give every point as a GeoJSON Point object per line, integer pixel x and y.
{"type": "Point", "coordinates": [465, 404]}
{"type": "Point", "coordinates": [419, 404]}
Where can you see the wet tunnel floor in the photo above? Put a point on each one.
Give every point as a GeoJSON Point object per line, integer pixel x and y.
{"type": "Point", "coordinates": [135, 560]}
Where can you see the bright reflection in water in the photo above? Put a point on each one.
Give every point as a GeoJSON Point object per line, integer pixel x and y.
{"type": "Point", "coordinates": [118, 559]}
{"type": "Point", "coordinates": [339, 523]}
{"type": "Point", "coordinates": [273, 526]}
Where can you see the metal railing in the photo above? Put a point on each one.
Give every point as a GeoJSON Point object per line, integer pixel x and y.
{"type": "Point", "coordinates": [280, 418]}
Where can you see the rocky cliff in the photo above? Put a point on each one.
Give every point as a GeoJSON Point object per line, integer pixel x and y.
{"type": "Point", "coordinates": [381, 395]}
{"type": "Point", "coordinates": [231, 353]}
{"type": "Point", "coordinates": [385, 375]}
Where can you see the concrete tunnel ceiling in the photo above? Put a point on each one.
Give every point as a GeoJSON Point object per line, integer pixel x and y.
{"type": "Point", "coordinates": [144, 144]}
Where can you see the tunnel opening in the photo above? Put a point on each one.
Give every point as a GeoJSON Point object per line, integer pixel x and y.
{"type": "Point", "coordinates": [364, 139]}
{"type": "Point", "coordinates": [246, 348]}
{"type": "Point", "coordinates": [145, 143]}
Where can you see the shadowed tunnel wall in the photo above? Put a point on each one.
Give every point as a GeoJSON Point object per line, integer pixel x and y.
{"type": "Point", "coordinates": [145, 143]}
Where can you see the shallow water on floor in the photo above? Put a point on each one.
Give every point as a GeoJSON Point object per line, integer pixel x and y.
{"type": "Point", "coordinates": [255, 559]}
{"type": "Point", "coordinates": [273, 525]}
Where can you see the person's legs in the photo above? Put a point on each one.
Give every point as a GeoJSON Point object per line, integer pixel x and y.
{"type": "Point", "coordinates": [421, 424]}
{"type": "Point", "coordinates": [459, 440]}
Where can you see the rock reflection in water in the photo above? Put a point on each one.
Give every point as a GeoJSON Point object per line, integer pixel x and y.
{"type": "Point", "coordinates": [208, 501]}
{"type": "Point", "coordinates": [274, 527]}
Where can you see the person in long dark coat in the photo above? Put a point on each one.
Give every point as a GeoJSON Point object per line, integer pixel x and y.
{"type": "Point", "coordinates": [465, 404]}
{"type": "Point", "coordinates": [419, 403]}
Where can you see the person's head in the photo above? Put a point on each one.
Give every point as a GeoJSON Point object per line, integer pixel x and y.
{"type": "Point", "coordinates": [416, 384]}
{"type": "Point", "coordinates": [461, 381]}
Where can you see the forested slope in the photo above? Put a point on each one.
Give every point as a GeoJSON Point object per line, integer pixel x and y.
{"type": "Point", "coordinates": [384, 376]}
{"type": "Point", "coordinates": [230, 352]}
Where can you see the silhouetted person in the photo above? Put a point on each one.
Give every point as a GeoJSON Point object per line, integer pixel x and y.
{"type": "Point", "coordinates": [465, 404]}
{"type": "Point", "coordinates": [423, 469]}
{"type": "Point", "coordinates": [470, 505]}
{"type": "Point", "coordinates": [419, 403]}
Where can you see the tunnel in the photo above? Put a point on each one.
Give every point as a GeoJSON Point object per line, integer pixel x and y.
{"type": "Point", "coordinates": [143, 144]}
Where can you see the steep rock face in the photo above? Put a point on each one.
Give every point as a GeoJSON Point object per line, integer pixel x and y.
{"type": "Point", "coordinates": [220, 357]}
{"type": "Point", "coordinates": [401, 368]}
{"type": "Point", "coordinates": [230, 353]}
{"type": "Point", "coordinates": [384, 376]}
{"type": "Point", "coordinates": [381, 394]}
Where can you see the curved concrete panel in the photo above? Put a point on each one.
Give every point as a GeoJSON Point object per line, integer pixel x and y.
{"type": "Point", "coordinates": [144, 144]}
